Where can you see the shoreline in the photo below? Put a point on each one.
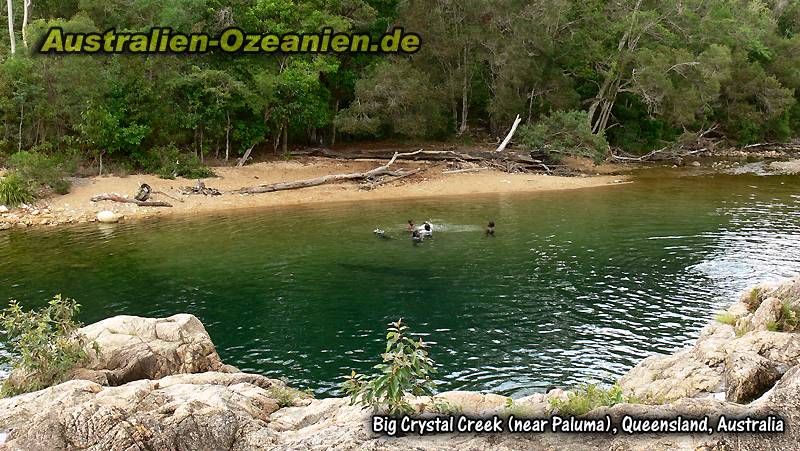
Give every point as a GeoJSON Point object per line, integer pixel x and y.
{"type": "Point", "coordinates": [76, 206]}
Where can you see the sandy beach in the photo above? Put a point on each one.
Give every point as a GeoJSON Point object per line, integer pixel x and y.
{"type": "Point", "coordinates": [430, 182]}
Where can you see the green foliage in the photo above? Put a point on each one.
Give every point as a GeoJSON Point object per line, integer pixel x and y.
{"type": "Point", "coordinates": [587, 398]}
{"type": "Point", "coordinates": [286, 396]}
{"type": "Point", "coordinates": [44, 344]}
{"type": "Point", "coordinates": [395, 99]}
{"type": "Point", "coordinates": [754, 298]}
{"type": "Point", "coordinates": [14, 190]}
{"type": "Point", "coordinates": [406, 368]}
{"type": "Point", "coordinates": [564, 133]}
{"type": "Point", "coordinates": [647, 72]}
{"type": "Point", "coordinates": [773, 326]}
{"type": "Point", "coordinates": [726, 318]}
{"type": "Point", "coordinates": [169, 162]}
{"type": "Point", "coordinates": [41, 171]}
{"type": "Point", "coordinates": [790, 318]}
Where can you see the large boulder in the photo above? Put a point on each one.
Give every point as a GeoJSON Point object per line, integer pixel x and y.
{"type": "Point", "coordinates": [660, 379]}
{"type": "Point", "coordinates": [189, 411]}
{"type": "Point", "coordinates": [133, 348]}
{"type": "Point", "coordinates": [748, 376]}
{"type": "Point", "coordinates": [768, 314]}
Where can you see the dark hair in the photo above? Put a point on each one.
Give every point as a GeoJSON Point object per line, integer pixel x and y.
{"type": "Point", "coordinates": [491, 223]}
{"type": "Point", "coordinates": [410, 221]}
{"type": "Point", "coordinates": [427, 226]}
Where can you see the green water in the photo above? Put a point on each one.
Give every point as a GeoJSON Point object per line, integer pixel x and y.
{"type": "Point", "coordinates": [576, 286]}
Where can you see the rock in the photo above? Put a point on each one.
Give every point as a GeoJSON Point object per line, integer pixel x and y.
{"type": "Point", "coordinates": [474, 404]}
{"type": "Point", "coordinates": [211, 411]}
{"type": "Point", "coordinates": [133, 348]}
{"type": "Point", "coordinates": [748, 376]}
{"type": "Point", "coordinates": [108, 217]}
{"type": "Point", "coordinates": [667, 378]}
{"type": "Point", "coordinates": [767, 315]}
{"type": "Point", "coordinates": [696, 164]}
{"type": "Point", "coordinates": [3, 209]}
{"type": "Point", "coordinates": [785, 167]}
{"type": "Point", "coordinates": [779, 347]}
{"type": "Point", "coordinates": [710, 347]}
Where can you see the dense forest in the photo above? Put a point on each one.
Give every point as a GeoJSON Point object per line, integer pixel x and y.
{"type": "Point", "coordinates": [632, 74]}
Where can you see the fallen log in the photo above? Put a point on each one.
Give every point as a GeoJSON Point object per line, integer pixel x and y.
{"type": "Point", "coordinates": [460, 171]}
{"type": "Point", "coordinates": [283, 186]}
{"type": "Point", "coordinates": [393, 178]}
{"type": "Point", "coordinates": [125, 200]}
{"type": "Point", "coordinates": [244, 158]}
{"type": "Point", "coordinates": [510, 135]}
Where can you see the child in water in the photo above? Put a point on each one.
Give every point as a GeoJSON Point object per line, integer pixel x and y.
{"type": "Point", "coordinates": [490, 229]}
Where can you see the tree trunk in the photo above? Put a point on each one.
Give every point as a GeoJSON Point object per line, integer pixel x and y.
{"type": "Point", "coordinates": [228, 137]}
{"type": "Point", "coordinates": [201, 144]}
{"type": "Point", "coordinates": [333, 123]}
{"type": "Point", "coordinates": [464, 96]}
{"type": "Point", "coordinates": [285, 138]}
{"type": "Point", "coordinates": [25, 14]}
{"type": "Point", "coordinates": [21, 118]}
{"type": "Point", "coordinates": [607, 94]}
{"type": "Point", "coordinates": [11, 26]}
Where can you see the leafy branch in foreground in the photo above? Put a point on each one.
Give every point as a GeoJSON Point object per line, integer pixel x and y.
{"type": "Point", "coordinates": [406, 368]}
{"type": "Point", "coordinates": [44, 344]}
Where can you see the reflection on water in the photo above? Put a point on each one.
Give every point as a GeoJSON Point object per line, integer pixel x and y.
{"type": "Point", "coordinates": [576, 286]}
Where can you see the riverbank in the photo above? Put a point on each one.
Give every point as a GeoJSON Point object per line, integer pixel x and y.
{"type": "Point", "coordinates": [77, 207]}
{"type": "Point", "coordinates": [159, 384]}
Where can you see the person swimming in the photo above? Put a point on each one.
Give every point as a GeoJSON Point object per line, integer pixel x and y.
{"type": "Point", "coordinates": [415, 236]}
{"type": "Point", "coordinates": [380, 233]}
{"type": "Point", "coordinates": [490, 229]}
{"type": "Point", "coordinates": [426, 230]}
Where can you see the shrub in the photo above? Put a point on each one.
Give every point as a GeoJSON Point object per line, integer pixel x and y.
{"type": "Point", "coordinates": [44, 345]}
{"type": "Point", "coordinates": [14, 190]}
{"type": "Point", "coordinates": [406, 367]}
{"type": "Point", "coordinates": [587, 398]}
{"type": "Point", "coordinates": [564, 133]}
{"type": "Point", "coordinates": [726, 318]}
{"type": "Point", "coordinates": [41, 171]}
{"type": "Point", "coordinates": [286, 396]}
{"type": "Point", "coordinates": [790, 318]}
{"type": "Point", "coordinates": [169, 162]}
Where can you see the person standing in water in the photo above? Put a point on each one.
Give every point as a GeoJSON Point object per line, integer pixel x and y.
{"type": "Point", "coordinates": [410, 226]}
{"type": "Point", "coordinates": [490, 229]}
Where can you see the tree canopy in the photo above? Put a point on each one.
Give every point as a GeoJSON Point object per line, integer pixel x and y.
{"type": "Point", "coordinates": [639, 72]}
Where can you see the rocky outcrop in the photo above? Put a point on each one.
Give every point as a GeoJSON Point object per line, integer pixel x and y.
{"type": "Point", "coordinates": [133, 348]}
{"type": "Point", "coordinates": [748, 375]}
{"type": "Point", "coordinates": [738, 359]}
{"type": "Point", "coordinates": [189, 411]}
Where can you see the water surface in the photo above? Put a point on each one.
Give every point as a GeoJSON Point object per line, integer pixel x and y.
{"type": "Point", "coordinates": [577, 285]}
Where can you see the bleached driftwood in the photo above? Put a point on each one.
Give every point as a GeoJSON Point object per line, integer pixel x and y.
{"type": "Point", "coordinates": [117, 198]}
{"type": "Point", "coordinates": [283, 186]}
{"type": "Point", "coordinates": [510, 135]}
{"type": "Point", "coordinates": [459, 171]}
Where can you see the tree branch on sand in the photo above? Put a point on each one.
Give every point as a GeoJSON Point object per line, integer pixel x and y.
{"type": "Point", "coordinates": [117, 198]}
{"type": "Point", "coordinates": [369, 175]}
